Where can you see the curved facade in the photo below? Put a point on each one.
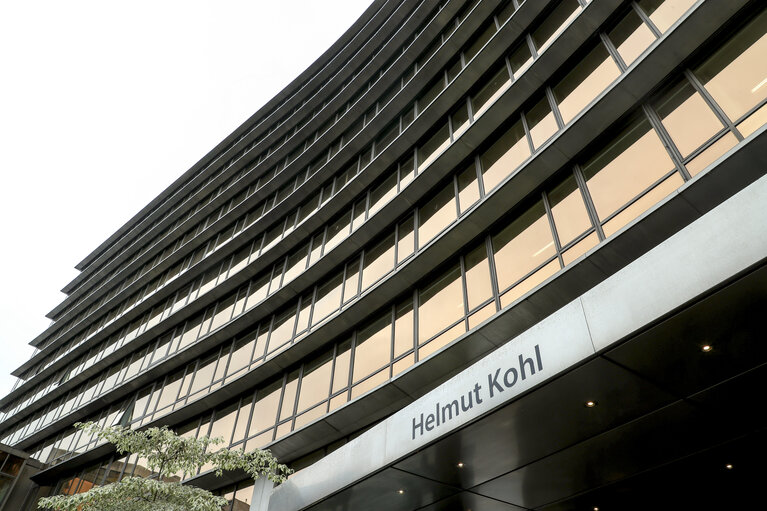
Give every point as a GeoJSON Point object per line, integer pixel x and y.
{"type": "Point", "coordinates": [445, 185]}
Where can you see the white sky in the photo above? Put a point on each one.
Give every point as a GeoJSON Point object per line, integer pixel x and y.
{"type": "Point", "coordinates": [103, 104]}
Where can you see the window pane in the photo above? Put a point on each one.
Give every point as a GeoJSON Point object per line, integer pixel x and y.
{"type": "Point", "coordinates": [328, 299]}
{"type": "Point", "coordinates": [478, 286]}
{"type": "Point", "coordinates": [555, 23]}
{"type": "Point", "coordinates": [223, 424]}
{"type": "Point", "coordinates": [296, 264]}
{"type": "Point", "coordinates": [436, 214]}
{"type": "Point", "coordinates": [315, 382]}
{"type": "Point", "coordinates": [282, 329]}
{"type": "Point", "coordinates": [460, 120]}
{"type": "Point", "coordinates": [432, 148]}
{"type": "Point", "coordinates": [687, 117]}
{"type": "Point", "coordinates": [503, 157]}
{"type": "Point", "coordinates": [373, 349]}
{"type": "Point", "coordinates": [242, 353]}
{"type": "Point", "coordinates": [522, 246]}
{"type": "Point", "coordinates": [648, 200]}
{"type": "Point", "coordinates": [379, 260]}
{"type": "Point", "coordinates": [631, 36]}
{"type": "Point", "coordinates": [383, 193]}
{"type": "Point", "coordinates": [736, 75]}
{"type": "Point", "coordinates": [520, 59]}
{"type": "Point", "coordinates": [585, 82]}
{"type": "Point", "coordinates": [468, 187]}
{"type": "Point", "coordinates": [337, 231]}
{"type": "Point", "coordinates": [352, 280]}
{"type": "Point", "coordinates": [265, 410]}
{"type": "Point", "coordinates": [403, 328]}
{"type": "Point", "coordinates": [541, 122]}
{"type": "Point", "coordinates": [664, 13]}
{"type": "Point", "coordinates": [204, 374]}
{"type": "Point", "coordinates": [628, 165]}
{"type": "Point", "coordinates": [495, 86]}
{"type": "Point", "coordinates": [569, 211]}
{"type": "Point", "coordinates": [405, 239]}
{"type": "Point", "coordinates": [440, 304]}
{"type": "Point", "coordinates": [711, 153]}
{"type": "Point", "coordinates": [341, 369]}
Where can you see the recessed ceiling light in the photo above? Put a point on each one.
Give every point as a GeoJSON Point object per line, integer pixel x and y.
{"type": "Point", "coordinates": [400, 491]}
{"type": "Point", "coordinates": [590, 404]}
{"type": "Point", "coordinates": [706, 348]}
{"type": "Point", "coordinates": [460, 464]}
{"type": "Point", "coordinates": [728, 466]}
{"type": "Point", "coordinates": [596, 508]}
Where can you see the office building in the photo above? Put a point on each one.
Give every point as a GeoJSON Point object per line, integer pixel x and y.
{"type": "Point", "coordinates": [480, 255]}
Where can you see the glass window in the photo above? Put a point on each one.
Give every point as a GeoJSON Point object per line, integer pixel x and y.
{"type": "Point", "coordinates": [436, 214]}
{"type": "Point", "coordinates": [647, 200]}
{"type": "Point", "coordinates": [383, 193]}
{"type": "Point", "coordinates": [487, 33]}
{"type": "Point", "coordinates": [204, 374]}
{"type": "Point", "coordinates": [736, 75]}
{"type": "Point", "coordinates": [387, 137]}
{"type": "Point", "coordinates": [478, 286]}
{"type": "Point", "coordinates": [468, 187]}
{"type": "Point", "coordinates": [433, 147]}
{"type": "Point", "coordinates": [328, 299]}
{"type": "Point", "coordinates": [520, 59]}
{"type": "Point", "coordinates": [541, 122]}
{"type": "Point", "coordinates": [460, 120]}
{"type": "Point", "coordinates": [631, 36]}
{"type": "Point", "coordinates": [170, 390]}
{"type": "Point", "coordinates": [569, 211]}
{"type": "Point", "coordinates": [289, 396]}
{"type": "Point", "coordinates": [555, 23]}
{"type": "Point", "coordinates": [282, 329]}
{"type": "Point", "coordinates": [403, 328]}
{"type": "Point", "coordinates": [379, 260]}
{"type": "Point", "coordinates": [257, 291]}
{"type": "Point", "coordinates": [711, 153]}
{"type": "Point", "coordinates": [626, 167]}
{"type": "Point", "coordinates": [522, 246]}
{"type": "Point", "coordinates": [664, 13]}
{"type": "Point", "coordinates": [265, 410]}
{"type": "Point", "coordinates": [405, 239]}
{"type": "Point", "coordinates": [585, 82]}
{"type": "Point", "coordinates": [337, 231]}
{"type": "Point", "coordinates": [352, 279]}
{"type": "Point", "coordinates": [687, 117]}
{"type": "Point", "coordinates": [296, 264]}
{"type": "Point", "coordinates": [440, 304]}
{"type": "Point", "coordinates": [504, 156]}
{"type": "Point", "coordinates": [431, 93]}
{"type": "Point", "coordinates": [373, 347]}
{"type": "Point", "coordinates": [494, 87]}
{"type": "Point", "coordinates": [315, 382]}
{"type": "Point", "coordinates": [223, 312]}
{"type": "Point", "coordinates": [341, 368]}
{"type": "Point", "coordinates": [223, 424]}
{"type": "Point", "coordinates": [242, 353]}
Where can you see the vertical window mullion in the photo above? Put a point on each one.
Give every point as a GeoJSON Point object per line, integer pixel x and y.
{"type": "Point", "coordinates": [586, 196]}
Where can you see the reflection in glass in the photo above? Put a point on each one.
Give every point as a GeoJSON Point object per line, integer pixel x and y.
{"type": "Point", "coordinates": [373, 347]}
{"type": "Point", "coordinates": [522, 246]}
{"type": "Point", "coordinates": [643, 204]}
{"type": "Point", "coordinates": [629, 164]}
{"type": "Point", "coordinates": [541, 122]}
{"type": "Point", "coordinates": [711, 153]}
{"type": "Point", "coordinates": [585, 82]}
{"type": "Point", "coordinates": [478, 286]}
{"type": "Point", "coordinates": [631, 36]}
{"type": "Point", "coordinates": [433, 147]}
{"type": "Point", "coordinates": [736, 75]}
{"type": "Point", "coordinates": [436, 214]}
{"type": "Point", "coordinates": [687, 117]}
{"type": "Point", "coordinates": [569, 211]}
{"type": "Point", "coordinates": [494, 87]}
{"type": "Point", "coordinates": [379, 260]}
{"type": "Point", "coordinates": [504, 156]}
{"type": "Point", "coordinates": [664, 13]}
{"type": "Point", "coordinates": [520, 59]}
{"type": "Point", "coordinates": [468, 188]}
{"type": "Point", "coordinates": [440, 304]}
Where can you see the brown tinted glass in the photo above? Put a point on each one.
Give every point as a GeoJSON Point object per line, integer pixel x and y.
{"type": "Point", "coordinates": [373, 347]}
{"type": "Point", "coordinates": [628, 165]}
{"type": "Point", "coordinates": [440, 304]}
{"type": "Point", "coordinates": [664, 13]}
{"type": "Point", "coordinates": [436, 214]}
{"type": "Point", "coordinates": [569, 211]}
{"type": "Point", "coordinates": [504, 156]}
{"type": "Point", "coordinates": [585, 82]}
{"type": "Point", "coordinates": [553, 24]}
{"type": "Point", "coordinates": [631, 36]}
{"type": "Point", "coordinates": [736, 75]}
{"type": "Point", "coordinates": [541, 122]}
{"type": "Point", "coordinates": [522, 246]}
{"type": "Point", "coordinates": [378, 261]}
{"type": "Point", "coordinates": [687, 117]}
{"type": "Point", "coordinates": [478, 286]}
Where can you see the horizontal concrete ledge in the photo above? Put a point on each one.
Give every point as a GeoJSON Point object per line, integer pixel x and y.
{"type": "Point", "coordinates": [733, 172]}
{"type": "Point", "coordinates": [678, 271]}
{"type": "Point", "coordinates": [339, 50]}
{"type": "Point", "coordinates": [401, 18]}
{"type": "Point", "coordinates": [604, 111]}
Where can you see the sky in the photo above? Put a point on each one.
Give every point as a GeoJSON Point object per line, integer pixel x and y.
{"type": "Point", "coordinates": [104, 104]}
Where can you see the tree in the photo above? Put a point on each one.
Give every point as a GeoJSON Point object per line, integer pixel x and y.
{"type": "Point", "coordinates": [167, 454]}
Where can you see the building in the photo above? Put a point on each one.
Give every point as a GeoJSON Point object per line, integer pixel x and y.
{"type": "Point", "coordinates": [480, 255]}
